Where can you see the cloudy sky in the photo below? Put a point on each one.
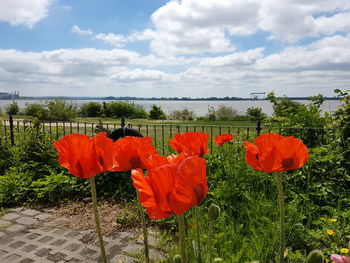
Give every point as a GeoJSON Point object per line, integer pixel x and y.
{"type": "Point", "coordinates": [160, 48]}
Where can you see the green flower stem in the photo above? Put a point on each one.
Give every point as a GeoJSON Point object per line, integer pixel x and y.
{"type": "Point", "coordinates": [182, 232]}
{"type": "Point", "coordinates": [144, 230]}
{"type": "Point", "coordinates": [97, 220]}
{"type": "Point", "coordinates": [210, 240]}
{"type": "Point", "coordinates": [199, 258]}
{"type": "Point", "coordinates": [280, 193]}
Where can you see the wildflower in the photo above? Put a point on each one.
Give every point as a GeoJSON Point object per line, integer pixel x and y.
{"type": "Point", "coordinates": [191, 143]}
{"type": "Point", "coordinates": [172, 188]}
{"type": "Point", "coordinates": [84, 157]}
{"type": "Point", "coordinates": [223, 138]}
{"type": "Point", "coordinates": [333, 220]}
{"type": "Point", "coordinates": [340, 259]}
{"type": "Point", "coordinates": [130, 152]}
{"type": "Point", "coordinates": [344, 250]}
{"type": "Point", "coordinates": [330, 232]}
{"type": "Point", "coordinates": [274, 153]}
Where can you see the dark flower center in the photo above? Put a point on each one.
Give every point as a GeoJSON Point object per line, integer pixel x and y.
{"type": "Point", "coordinates": [287, 163]}
{"type": "Point", "coordinates": [198, 192]}
{"type": "Point", "coordinates": [135, 162]}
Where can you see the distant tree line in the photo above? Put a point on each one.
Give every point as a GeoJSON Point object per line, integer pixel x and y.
{"type": "Point", "coordinates": [60, 110]}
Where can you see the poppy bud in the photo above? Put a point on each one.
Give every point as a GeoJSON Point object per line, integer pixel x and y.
{"type": "Point", "coordinates": [214, 212]}
{"type": "Point", "coordinates": [177, 259]}
{"type": "Point", "coordinates": [315, 256]}
{"type": "Point", "coordinates": [217, 260]}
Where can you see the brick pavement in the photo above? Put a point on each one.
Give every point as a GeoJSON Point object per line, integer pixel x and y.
{"type": "Point", "coordinates": [31, 235]}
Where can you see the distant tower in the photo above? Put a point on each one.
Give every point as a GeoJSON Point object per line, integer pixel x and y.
{"type": "Point", "coordinates": [257, 95]}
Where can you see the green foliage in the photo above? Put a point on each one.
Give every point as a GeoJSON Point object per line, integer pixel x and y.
{"type": "Point", "coordinates": [37, 110]}
{"type": "Point", "coordinates": [5, 153]}
{"type": "Point", "coordinates": [247, 229]}
{"type": "Point", "coordinates": [59, 110]}
{"type": "Point", "coordinates": [35, 153]}
{"type": "Point", "coordinates": [342, 117]}
{"type": "Point", "coordinates": [283, 107]}
{"type": "Point", "coordinates": [19, 188]}
{"type": "Point", "coordinates": [156, 113]}
{"type": "Point", "coordinates": [91, 109]}
{"type": "Point", "coordinates": [184, 114]}
{"type": "Point", "coordinates": [12, 108]}
{"type": "Point", "coordinates": [296, 115]}
{"type": "Point", "coordinates": [119, 109]}
{"type": "Point", "coordinates": [255, 113]}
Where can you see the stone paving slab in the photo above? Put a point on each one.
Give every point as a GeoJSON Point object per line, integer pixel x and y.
{"type": "Point", "coordinates": [28, 235]}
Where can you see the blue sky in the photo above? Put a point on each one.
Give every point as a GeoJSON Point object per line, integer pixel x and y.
{"type": "Point", "coordinates": [196, 48]}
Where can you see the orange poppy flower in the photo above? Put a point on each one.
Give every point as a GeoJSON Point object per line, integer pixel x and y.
{"type": "Point", "coordinates": [274, 153]}
{"type": "Point", "coordinates": [190, 185]}
{"type": "Point", "coordinates": [130, 152]}
{"type": "Point", "coordinates": [223, 138]}
{"type": "Point", "coordinates": [152, 194]}
{"type": "Point", "coordinates": [172, 188]}
{"type": "Point", "coordinates": [83, 156]}
{"type": "Point", "coordinates": [191, 143]}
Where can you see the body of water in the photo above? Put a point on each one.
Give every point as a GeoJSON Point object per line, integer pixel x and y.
{"type": "Point", "coordinates": [200, 108]}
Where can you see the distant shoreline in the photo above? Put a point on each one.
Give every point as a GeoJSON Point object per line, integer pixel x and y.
{"type": "Point", "coordinates": [155, 99]}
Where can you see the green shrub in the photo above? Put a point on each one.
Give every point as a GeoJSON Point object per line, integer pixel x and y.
{"type": "Point", "coordinates": [34, 152]}
{"type": "Point", "coordinates": [91, 109]}
{"type": "Point", "coordinates": [15, 189]}
{"type": "Point", "coordinates": [12, 108]}
{"type": "Point", "coordinates": [255, 113]}
{"type": "Point", "coordinates": [37, 110]}
{"type": "Point", "coordinates": [119, 109]}
{"type": "Point", "coordinates": [5, 153]}
{"type": "Point", "coordinates": [156, 113]}
{"type": "Point", "coordinates": [59, 110]}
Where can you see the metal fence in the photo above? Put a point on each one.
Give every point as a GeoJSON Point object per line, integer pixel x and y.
{"type": "Point", "coordinates": [162, 133]}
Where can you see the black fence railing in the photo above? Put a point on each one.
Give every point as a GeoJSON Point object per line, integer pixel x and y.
{"type": "Point", "coordinates": [162, 133]}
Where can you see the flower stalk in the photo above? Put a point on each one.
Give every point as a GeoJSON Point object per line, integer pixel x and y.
{"type": "Point", "coordinates": [144, 231]}
{"type": "Point", "coordinates": [97, 219]}
{"type": "Point", "coordinates": [182, 233]}
{"type": "Point", "coordinates": [199, 252]}
{"type": "Point", "coordinates": [280, 198]}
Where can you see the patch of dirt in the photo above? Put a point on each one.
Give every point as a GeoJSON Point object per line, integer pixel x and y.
{"type": "Point", "coordinates": [113, 217]}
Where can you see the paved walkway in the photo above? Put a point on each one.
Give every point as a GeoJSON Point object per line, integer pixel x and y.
{"type": "Point", "coordinates": [30, 235]}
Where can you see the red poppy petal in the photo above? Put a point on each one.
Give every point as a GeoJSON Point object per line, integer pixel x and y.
{"type": "Point", "coordinates": [190, 185]}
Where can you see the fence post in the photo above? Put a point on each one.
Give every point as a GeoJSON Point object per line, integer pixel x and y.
{"type": "Point", "coordinates": [123, 122]}
{"type": "Point", "coordinates": [258, 126]}
{"type": "Point", "coordinates": [12, 136]}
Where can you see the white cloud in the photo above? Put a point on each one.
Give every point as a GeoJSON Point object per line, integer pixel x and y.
{"type": "Point", "coordinates": [77, 30]}
{"type": "Point", "coordinates": [330, 53]}
{"type": "Point", "coordinates": [112, 39]}
{"type": "Point", "coordinates": [24, 12]}
{"type": "Point", "coordinates": [238, 59]}
{"type": "Point", "coordinates": [138, 75]}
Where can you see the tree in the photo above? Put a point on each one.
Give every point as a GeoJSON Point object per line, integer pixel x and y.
{"type": "Point", "coordinates": [255, 113]}
{"type": "Point", "coordinates": [59, 110]}
{"type": "Point", "coordinates": [156, 113]}
{"type": "Point", "coordinates": [184, 114]}
{"type": "Point", "coordinates": [37, 110]}
{"type": "Point", "coordinates": [283, 107]}
{"type": "Point", "coordinates": [225, 113]}
{"type": "Point", "coordinates": [91, 109]}
{"type": "Point", "coordinates": [12, 108]}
